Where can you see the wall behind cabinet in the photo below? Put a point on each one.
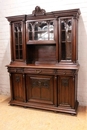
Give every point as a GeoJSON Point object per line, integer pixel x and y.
{"type": "Point", "coordinates": [19, 7]}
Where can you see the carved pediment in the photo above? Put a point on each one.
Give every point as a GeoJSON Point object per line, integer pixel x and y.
{"type": "Point", "coordinates": [38, 11]}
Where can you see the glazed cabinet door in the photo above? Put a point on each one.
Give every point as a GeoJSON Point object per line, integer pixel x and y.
{"type": "Point", "coordinates": [40, 30]}
{"type": "Point", "coordinates": [66, 91]}
{"type": "Point", "coordinates": [40, 89]}
{"type": "Point", "coordinates": [68, 39]}
{"type": "Point", "coordinates": [18, 87]}
{"type": "Point", "coordinates": [18, 41]}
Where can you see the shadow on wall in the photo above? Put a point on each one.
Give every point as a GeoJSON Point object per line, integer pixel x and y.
{"type": "Point", "coordinates": [82, 58]}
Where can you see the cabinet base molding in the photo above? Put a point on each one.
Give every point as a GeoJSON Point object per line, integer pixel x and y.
{"type": "Point", "coordinates": [68, 110]}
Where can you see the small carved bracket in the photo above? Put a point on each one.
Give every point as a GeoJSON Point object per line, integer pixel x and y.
{"type": "Point", "coordinates": [76, 16]}
{"type": "Point", "coordinates": [38, 11]}
{"type": "Point", "coordinates": [10, 23]}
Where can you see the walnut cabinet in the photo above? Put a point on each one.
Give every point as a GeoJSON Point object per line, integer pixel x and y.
{"type": "Point", "coordinates": [44, 60]}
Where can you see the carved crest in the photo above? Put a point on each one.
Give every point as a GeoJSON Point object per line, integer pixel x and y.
{"type": "Point", "coordinates": [38, 11]}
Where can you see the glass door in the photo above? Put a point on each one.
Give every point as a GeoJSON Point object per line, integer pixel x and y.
{"type": "Point", "coordinates": [65, 41]}
{"type": "Point", "coordinates": [18, 41]}
{"type": "Point", "coordinates": [40, 30]}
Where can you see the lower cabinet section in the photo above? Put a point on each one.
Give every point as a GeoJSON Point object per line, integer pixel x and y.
{"type": "Point", "coordinates": [50, 92]}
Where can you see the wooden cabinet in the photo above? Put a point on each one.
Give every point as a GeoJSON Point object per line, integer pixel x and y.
{"type": "Point", "coordinates": [44, 60]}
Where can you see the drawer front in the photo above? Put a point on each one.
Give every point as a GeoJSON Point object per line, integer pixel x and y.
{"type": "Point", "coordinates": [39, 71]}
{"type": "Point", "coordinates": [42, 71]}
{"type": "Point", "coordinates": [66, 72]}
{"type": "Point", "coordinates": [15, 70]}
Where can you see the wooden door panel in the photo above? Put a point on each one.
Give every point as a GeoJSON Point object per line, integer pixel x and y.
{"type": "Point", "coordinates": [18, 86]}
{"type": "Point", "coordinates": [66, 91]}
{"type": "Point", "coordinates": [40, 88]}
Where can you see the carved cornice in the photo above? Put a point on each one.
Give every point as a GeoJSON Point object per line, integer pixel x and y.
{"type": "Point", "coordinates": [38, 11]}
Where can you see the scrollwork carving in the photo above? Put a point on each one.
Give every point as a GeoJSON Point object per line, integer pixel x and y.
{"type": "Point", "coordinates": [17, 79]}
{"type": "Point", "coordinates": [40, 83]}
{"type": "Point", "coordinates": [65, 82]}
{"type": "Point", "coordinates": [38, 11]}
{"type": "Point", "coordinates": [17, 27]}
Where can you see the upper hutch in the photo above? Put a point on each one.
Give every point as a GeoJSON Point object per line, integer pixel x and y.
{"type": "Point", "coordinates": [44, 60]}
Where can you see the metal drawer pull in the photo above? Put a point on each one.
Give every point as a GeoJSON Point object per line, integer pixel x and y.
{"type": "Point", "coordinates": [19, 70]}
{"type": "Point", "coordinates": [38, 71]}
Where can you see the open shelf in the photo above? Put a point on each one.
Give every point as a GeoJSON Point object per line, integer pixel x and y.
{"type": "Point", "coordinates": [41, 53]}
{"type": "Point", "coordinates": [30, 42]}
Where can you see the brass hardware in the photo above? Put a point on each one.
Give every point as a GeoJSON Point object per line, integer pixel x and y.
{"type": "Point", "coordinates": [38, 71]}
{"type": "Point", "coordinates": [19, 70]}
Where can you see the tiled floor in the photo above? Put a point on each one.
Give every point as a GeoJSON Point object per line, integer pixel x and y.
{"type": "Point", "coordinates": [19, 118]}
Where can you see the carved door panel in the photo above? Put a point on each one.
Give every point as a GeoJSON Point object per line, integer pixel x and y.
{"type": "Point", "coordinates": [40, 89]}
{"type": "Point", "coordinates": [18, 87]}
{"type": "Point", "coordinates": [66, 91]}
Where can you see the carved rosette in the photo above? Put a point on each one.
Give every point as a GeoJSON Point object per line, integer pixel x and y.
{"type": "Point", "coordinates": [17, 79]}
{"type": "Point", "coordinates": [38, 11]}
{"type": "Point", "coordinates": [65, 82]}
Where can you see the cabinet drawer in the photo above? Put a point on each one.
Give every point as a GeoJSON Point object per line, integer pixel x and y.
{"type": "Point", "coordinates": [39, 71]}
{"type": "Point", "coordinates": [16, 70]}
{"type": "Point", "coordinates": [66, 72]}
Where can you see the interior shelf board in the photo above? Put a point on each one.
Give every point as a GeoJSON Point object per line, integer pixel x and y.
{"type": "Point", "coordinates": [41, 42]}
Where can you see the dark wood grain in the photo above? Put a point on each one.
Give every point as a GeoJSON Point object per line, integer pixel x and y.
{"type": "Point", "coordinates": [44, 65]}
